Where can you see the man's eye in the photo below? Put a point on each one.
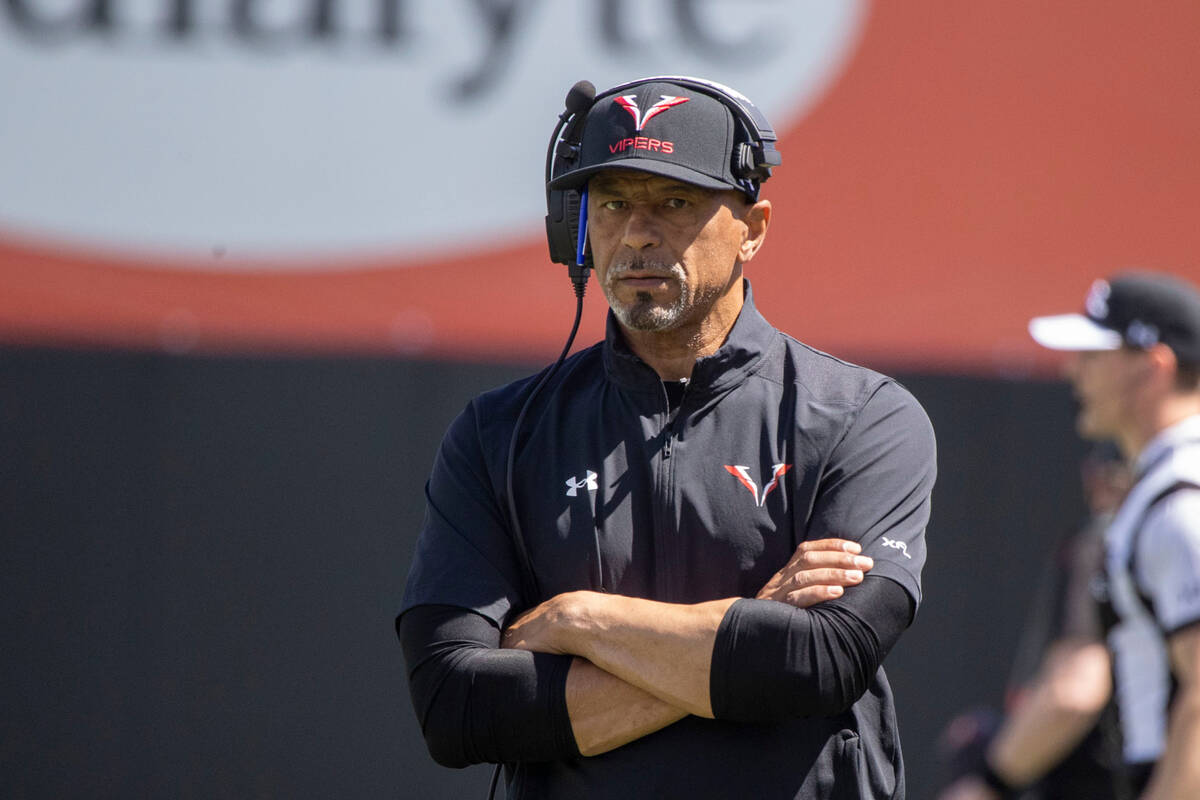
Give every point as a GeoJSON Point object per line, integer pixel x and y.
{"type": "Point", "coordinates": [614, 205]}
{"type": "Point", "coordinates": [676, 202]}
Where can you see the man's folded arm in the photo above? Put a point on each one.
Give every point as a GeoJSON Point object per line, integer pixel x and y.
{"type": "Point", "coordinates": [752, 660]}
{"type": "Point", "coordinates": [772, 661]}
{"type": "Point", "coordinates": [477, 703]}
{"type": "Point", "coordinates": [737, 659]}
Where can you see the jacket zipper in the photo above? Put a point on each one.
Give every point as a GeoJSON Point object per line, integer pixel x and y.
{"type": "Point", "coordinates": [672, 416]}
{"type": "Point", "coordinates": [667, 535]}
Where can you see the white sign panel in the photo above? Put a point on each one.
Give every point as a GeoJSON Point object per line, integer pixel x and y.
{"type": "Point", "coordinates": [308, 131]}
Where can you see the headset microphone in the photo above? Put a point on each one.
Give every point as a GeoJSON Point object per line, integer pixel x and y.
{"type": "Point", "coordinates": [566, 211]}
{"type": "Point", "coordinates": [580, 98]}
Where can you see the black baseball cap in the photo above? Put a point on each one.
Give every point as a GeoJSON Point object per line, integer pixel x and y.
{"type": "Point", "coordinates": [666, 129]}
{"type": "Point", "coordinates": [1132, 309]}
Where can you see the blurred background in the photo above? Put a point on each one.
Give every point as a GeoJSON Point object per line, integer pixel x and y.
{"type": "Point", "coordinates": [256, 255]}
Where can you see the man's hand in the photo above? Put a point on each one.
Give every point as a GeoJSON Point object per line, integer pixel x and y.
{"type": "Point", "coordinates": [816, 572]}
{"type": "Point", "coordinates": [535, 629]}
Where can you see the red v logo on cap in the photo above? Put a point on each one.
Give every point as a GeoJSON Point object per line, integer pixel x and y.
{"type": "Point", "coordinates": [629, 103]}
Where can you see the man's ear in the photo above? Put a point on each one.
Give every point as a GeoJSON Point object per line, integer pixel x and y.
{"type": "Point", "coordinates": [757, 219]}
{"type": "Point", "coordinates": [1163, 364]}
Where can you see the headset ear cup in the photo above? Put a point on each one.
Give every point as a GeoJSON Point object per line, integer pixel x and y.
{"type": "Point", "coordinates": [562, 223]}
{"type": "Point", "coordinates": [744, 167]}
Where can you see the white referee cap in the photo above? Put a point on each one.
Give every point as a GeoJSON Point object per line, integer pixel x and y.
{"type": "Point", "coordinates": [1134, 309]}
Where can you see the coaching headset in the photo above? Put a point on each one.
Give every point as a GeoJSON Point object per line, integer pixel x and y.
{"type": "Point", "coordinates": [569, 163]}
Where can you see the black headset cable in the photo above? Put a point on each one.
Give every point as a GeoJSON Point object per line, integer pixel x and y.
{"type": "Point", "coordinates": [579, 99]}
{"type": "Point", "coordinates": [579, 275]}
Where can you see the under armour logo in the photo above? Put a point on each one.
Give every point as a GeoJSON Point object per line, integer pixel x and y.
{"type": "Point", "coordinates": [743, 475]}
{"type": "Point", "coordinates": [589, 483]}
{"type": "Point", "coordinates": [629, 103]}
{"type": "Point", "coordinates": [896, 544]}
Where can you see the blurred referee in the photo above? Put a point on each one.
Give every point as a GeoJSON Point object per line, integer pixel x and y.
{"type": "Point", "coordinates": [1135, 369]}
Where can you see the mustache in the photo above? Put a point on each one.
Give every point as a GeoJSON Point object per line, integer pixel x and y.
{"type": "Point", "coordinates": [641, 264]}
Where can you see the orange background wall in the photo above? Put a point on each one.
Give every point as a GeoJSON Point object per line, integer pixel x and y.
{"type": "Point", "coordinates": [974, 164]}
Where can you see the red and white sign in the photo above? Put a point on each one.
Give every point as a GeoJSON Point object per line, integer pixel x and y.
{"type": "Point", "coordinates": [366, 175]}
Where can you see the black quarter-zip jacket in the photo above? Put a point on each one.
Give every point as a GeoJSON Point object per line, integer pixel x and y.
{"type": "Point", "coordinates": [773, 443]}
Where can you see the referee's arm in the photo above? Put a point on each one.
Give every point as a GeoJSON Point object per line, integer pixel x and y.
{"type": "Point", "coordinates": [1177, 774]}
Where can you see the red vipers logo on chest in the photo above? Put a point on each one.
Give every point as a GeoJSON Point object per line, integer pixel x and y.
{"type": "Point", "coordinates": [742, 473]}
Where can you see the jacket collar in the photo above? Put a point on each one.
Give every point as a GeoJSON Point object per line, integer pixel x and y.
{"type": "Point", "coordinates": [1186, 431]}
{"type": "Point", "coordinates": [738, 357]}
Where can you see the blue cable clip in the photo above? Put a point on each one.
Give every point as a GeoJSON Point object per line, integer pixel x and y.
{"type": "Point", "coordinates": [581, 243]}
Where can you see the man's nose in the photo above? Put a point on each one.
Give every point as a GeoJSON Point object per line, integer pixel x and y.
{"type": "Point", "coordinates": [641, 229]}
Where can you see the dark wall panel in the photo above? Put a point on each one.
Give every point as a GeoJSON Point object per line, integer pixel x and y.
{"type": "Point", "coordinates": [202, 558]}
{"type": "Point", "coordinates": [1007, 491]}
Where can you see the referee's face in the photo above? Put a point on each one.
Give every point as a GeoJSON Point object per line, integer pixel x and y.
{"type": "Point", "coordinates": [1108, 385]}
{"type": "Point", "coordinates": [668, 254]}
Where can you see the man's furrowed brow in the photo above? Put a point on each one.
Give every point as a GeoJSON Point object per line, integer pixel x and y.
{"type": "Point", "coordinates": [617, 185]}
{"type": "Point", "coordinates": [678, 187]}
{"type": "Point", "coordinates": [605, 185]}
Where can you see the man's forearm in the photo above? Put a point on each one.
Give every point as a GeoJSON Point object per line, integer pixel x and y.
{"type": "Point", "coordinates": [606, 712]}
{"type": "Point", "coordinates": [1177, 774]}
{"type": "Point", "coordinates": [477, 703]}
{"type": "Point", "coordinates": [664, 649]}
{"type": "Point", "coordinates": [1062, 706]}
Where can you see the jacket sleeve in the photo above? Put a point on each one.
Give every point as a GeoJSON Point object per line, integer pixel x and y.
{"type": "Point", "coordinates": [476, 703]}
{"type": "Point", "coordinates": [464, 555]}
{"type": "Point", "coordinates": [772, 661]}
{"type": "Point", "coordinates": [876, 485]}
